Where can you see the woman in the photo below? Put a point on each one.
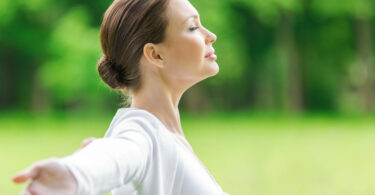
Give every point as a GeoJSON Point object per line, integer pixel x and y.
{"type": "Point", "coordinates": [155, 49]}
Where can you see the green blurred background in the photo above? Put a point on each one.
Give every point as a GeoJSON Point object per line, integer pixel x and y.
{"type": "Point", "coordinates": [290, 112]}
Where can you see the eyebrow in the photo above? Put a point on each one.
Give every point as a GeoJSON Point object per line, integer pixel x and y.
{"type": "Point", "coordinates": [192, 16]}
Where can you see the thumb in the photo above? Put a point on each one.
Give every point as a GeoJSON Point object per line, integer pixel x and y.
{"type": "Point", "coordinates": [30, 173]}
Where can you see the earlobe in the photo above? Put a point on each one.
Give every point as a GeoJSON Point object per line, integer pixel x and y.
{"type": "Point", "coordinates": [150, 51]}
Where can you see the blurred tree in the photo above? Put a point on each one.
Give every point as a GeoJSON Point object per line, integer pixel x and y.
{"type": "Point", "coordinates": [286, 81]}
{"type": "Point", "coordinates": [39, 44]}
{"type": "Point", "coordinates": [24, 30]}
{"type": "Point", "coordinates": [69, 74]}
{"type": "Point", "coordinates": [362, 82]}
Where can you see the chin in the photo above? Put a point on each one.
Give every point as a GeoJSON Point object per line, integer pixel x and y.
{"type": "Point", "coordinates": [214, 69]}
{"type": "Point", "coordinates": [209, 70]}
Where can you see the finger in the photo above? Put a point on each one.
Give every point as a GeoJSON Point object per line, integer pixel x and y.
{"type": "Point", "coordinates": [23, 176]}
{"type": "Point", "coordinates": [87, 141]}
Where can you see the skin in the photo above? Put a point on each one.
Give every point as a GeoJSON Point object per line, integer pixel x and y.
{"type": "Point", "coordinates": [168, 69]}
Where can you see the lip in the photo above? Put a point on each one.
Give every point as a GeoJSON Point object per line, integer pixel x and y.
{"type": "Point", "coordinates": [211, 55]}
{"type": "Point", "coordinates": [212, 52]}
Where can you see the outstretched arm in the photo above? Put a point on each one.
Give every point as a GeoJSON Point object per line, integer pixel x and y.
{"type": "Point", "coordinates": [99, 167]}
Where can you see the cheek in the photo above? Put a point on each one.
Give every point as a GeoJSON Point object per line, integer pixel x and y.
{"type": "Point", "coordinates": [194, 51]}
{"type": "Point", "coordinates": [189, 52]}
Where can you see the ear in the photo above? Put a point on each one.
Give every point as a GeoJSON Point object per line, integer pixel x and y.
{"type": "Point", "coordinates": [153, 55]}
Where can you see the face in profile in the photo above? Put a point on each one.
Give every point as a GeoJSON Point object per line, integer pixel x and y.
{"type": "Point", "coordinates": [187, 50]}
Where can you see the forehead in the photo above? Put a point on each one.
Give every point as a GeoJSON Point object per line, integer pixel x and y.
{"type": "Point", "coordinates": [179, 10]}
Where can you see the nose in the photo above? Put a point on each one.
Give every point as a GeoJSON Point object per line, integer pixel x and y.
{"type": "Point", "coordinates": [211, 37]}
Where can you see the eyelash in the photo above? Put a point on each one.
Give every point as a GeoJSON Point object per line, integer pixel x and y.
{"type": "Point", "coordinates": [193, 28]}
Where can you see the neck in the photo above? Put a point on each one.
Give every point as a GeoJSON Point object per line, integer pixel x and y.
{"type": "Point", "coordinates": [157, 99]}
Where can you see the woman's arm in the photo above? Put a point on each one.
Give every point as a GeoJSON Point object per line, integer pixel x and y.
{"type": "Point", "coordinates": [43, 172]}
{"type": "Point", "coordinates": [102, 165]}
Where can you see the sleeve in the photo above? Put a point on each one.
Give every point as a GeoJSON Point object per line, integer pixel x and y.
{"type": "Point", "coordinates": [108, 163]}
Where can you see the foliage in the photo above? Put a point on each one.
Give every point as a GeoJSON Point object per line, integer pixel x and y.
{"type": "Point", "coordinates": [70, 72]}
{"type": "Point", "coordinates": [285, 55]}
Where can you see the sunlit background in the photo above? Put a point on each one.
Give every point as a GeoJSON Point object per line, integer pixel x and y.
{"type": "Point", "coordinates": [291, 111]}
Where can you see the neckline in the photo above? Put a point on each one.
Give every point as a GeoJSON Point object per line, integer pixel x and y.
{"type": "Point", "coordinates": [180, 139]}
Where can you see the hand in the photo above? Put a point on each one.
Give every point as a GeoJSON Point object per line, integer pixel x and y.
{"type": "Point", "coordinates": [47, 177]}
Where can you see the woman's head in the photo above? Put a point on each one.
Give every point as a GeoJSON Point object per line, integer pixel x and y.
{"type": "Point", "coordinates": [127, 26]}
{"type": "Point", "coordinates": [154, 39]}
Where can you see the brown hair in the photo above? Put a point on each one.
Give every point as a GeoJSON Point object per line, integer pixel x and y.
{"type": "Point", "coordinates": [127, 26]}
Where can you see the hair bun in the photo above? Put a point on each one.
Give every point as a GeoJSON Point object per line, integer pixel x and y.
{"type": "Point", "coordinates": [110, 74]}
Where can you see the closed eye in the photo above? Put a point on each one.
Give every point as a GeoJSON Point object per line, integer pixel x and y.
{"type": "Point", "coordinates": [193, 28]}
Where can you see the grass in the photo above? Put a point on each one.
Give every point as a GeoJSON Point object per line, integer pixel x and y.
{"type": "Point", "coordinates": [246, 153]}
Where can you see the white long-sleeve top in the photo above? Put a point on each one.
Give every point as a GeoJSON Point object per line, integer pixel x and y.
{"type": "Point", "coordinates": [139, 155]}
